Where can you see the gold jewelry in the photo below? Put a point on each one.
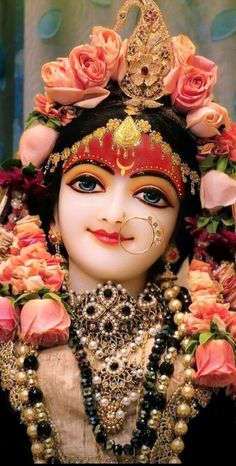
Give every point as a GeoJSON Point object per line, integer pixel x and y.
{"type": "Point", "coordinates": [150, 55]}
{"type": "Point", "coordinates": [157, 233]}
{"type": "Point", "coordinates": [54, 236]}
{"type": "Point", "coordinates": [109, 320]}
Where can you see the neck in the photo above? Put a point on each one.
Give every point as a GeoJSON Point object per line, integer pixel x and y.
{"type": "Point", "coordinates": [81, 281]}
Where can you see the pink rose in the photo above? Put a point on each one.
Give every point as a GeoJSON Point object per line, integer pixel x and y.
{"type": "Point", "coordinates": [206, 121]}
{"type": "Point", "coordinates": [44, 322]}
{"type": "Point", "coordinates": [59, 74]}
{"type": "Point", "coordinates": [183, 49]}
{"type": "Point", "coordinates": [36, 144]}
{"type": "Point", "coordinates": [226, 143]}
{"type": "Point", "coordinates": [215, 362]}
{"type": "Point", "coordinates": [8, 320]}
{"type": "Point", "coordinates": [44, 107]}
{"type": "Point", "coordinates": [232, 327]}
{"type": "Point", "coordinates": [66, 114]}
{"type": "Point", "coordinates": [230, 292]}
{"type": "Point", "coordinates": [217, 190]}
{"type": "Point", "coordinates": [114, 49]}
{"type": "Point", "coordinates": [191, 85]}
{"type": "Point", "coordinates": [89, 66]}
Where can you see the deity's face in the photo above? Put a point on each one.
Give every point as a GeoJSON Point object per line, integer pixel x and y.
{"type": "Point", "coordinates": [90, 213]}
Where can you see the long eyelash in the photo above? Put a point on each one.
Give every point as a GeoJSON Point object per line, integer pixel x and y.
{"type": "Point", "coordinates": [80, 178]}
{"type": "Point", "coordinates": [146, 190]}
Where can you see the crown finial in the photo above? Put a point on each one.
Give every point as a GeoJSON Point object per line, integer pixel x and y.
{"type": "Point", "coordinates": [150, 55]}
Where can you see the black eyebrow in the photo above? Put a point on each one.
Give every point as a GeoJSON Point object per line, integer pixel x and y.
{"type": "Point", "coordinates": [93, 162]}
{"type": "Point", "coordinates": [154, 173]}
{"type": "Point", "coordinates": [151, 173]}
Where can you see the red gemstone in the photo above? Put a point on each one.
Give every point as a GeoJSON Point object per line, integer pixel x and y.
{"type": "Point", "coordinates": [144, 70]}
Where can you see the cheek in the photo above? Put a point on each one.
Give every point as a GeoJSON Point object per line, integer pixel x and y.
{"type": "Point", "coordinates": [74, 209]}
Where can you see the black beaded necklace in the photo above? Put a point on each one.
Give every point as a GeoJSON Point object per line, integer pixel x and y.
{"type": "Point", "coordinates": [153, 400]}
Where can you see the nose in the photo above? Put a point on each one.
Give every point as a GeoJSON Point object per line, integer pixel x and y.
{"type": "Point", "coordinates": [113, 211]}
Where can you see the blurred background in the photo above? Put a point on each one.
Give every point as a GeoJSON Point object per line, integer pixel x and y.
{"type": "Point", "coordinates": [33, 32]}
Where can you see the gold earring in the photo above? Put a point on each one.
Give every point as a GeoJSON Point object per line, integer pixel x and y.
{"type": "Point", "coordinates": [54, 236]}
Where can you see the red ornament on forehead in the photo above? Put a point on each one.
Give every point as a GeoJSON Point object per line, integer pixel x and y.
{"type": "Point", "coordinates": [147, 155]}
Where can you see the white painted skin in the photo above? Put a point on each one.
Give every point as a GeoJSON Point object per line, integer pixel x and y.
{"type": "Point", "coordinates": [91, 198]}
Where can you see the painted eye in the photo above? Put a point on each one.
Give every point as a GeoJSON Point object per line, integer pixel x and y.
{"type": "Point", "coordinates": [87, 184]}
{"type": "Point", "coordinates": [153, 196]}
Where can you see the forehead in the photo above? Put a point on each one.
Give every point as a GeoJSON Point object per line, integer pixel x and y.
{"type": "Point", "coordinates": [145, 157]}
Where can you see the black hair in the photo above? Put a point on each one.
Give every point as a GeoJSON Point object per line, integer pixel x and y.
{"type": "Point", "coordinates": [165, 120]}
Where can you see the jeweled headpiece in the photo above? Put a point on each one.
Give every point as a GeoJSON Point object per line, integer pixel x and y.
{"type": "Point", "coordinates": [128, 147]}
{"type": "Point", "coordinates": [150, 55]}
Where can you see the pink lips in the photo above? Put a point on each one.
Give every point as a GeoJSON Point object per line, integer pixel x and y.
{"type": "Point", "coordinates": [108, 238]}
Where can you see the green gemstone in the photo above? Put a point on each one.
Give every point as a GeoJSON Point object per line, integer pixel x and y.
{"type": "Point", "coordinates": [98, 429]}
{"type": "Point", "coordinates": [109, 445]}
{"type": "Point", "coordinates": [87, 391]}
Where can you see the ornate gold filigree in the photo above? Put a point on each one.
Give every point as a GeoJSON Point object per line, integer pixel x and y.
{"type": "Point", "coordinates": [150, 55]}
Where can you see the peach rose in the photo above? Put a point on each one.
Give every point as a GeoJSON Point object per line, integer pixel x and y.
{"type": "Point", "coordinates": [203, 313]}
{"type": "Point", "coordinates": [84, 98]}
{"type": "Point", "coordinates": [183, 49]}
{"type": "Point", "coordinates": [44, 322]}
{"type": "Point", "coordinates": [28, 234]}
{"type": "Point", "coordinates": [59, 74]}
{"type": "Point", "coordinates": [191, 85]}
{"type": "Point", "coordinates": [206, 121]}
{"type": "Point", "coordinates": [217, 190]}
{"type": "Point", "coordinates": [36, 143]}
{"type": "Point", "coordinates": [199, 280]}
{"type": "Point", "coordinates": [89, 66]}
{"type": "Point", "coordinates": [111, 43]}
{"type": "Point", "coordinates": [8, 320]}
{"type": "Point", "coordinates": [215, 362]}
{"type": "Point", "coordinates": [201, 266]}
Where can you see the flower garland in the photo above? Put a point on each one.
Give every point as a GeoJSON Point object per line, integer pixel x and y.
{"type": "Point", "coordinates": [211, 324]}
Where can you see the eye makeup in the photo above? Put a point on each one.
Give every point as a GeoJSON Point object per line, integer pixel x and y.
{"type": "Point", "coordinates": [88, 170]}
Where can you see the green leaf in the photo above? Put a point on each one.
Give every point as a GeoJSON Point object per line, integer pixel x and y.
{"type": "Point", "coordinates": [203, 221]}
{"type": "Point", "coordinates": [27, 297]}
{"type": "Point", "coordinates": [53, 123]}
{"type": "Point", "coordinates": [212, 227]}
{"type": "Point", "coordinates": [228, 222]}
{"type": "Point", "coordinates": [207, 164]}
{"type": "Point", "coordinates": [222, 164]}
{"type": "Point", "coordinates": [192, 346]}
{"type": "Point", "coordinates": [214, 327]}
{"type": "Point", "coordinates": [53, 296]}
{"type": "Point", "coordinates": [10, 163]}
{"type": "Point", "coordinates": [205, 337]}
{"type": "Point", "coordinates": [29, 170]}
{"type": "Point", "coordinates": [224, 24]}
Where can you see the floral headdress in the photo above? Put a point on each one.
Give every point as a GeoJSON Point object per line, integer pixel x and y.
{"type": "Point", "coordinates": [146, 67]}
